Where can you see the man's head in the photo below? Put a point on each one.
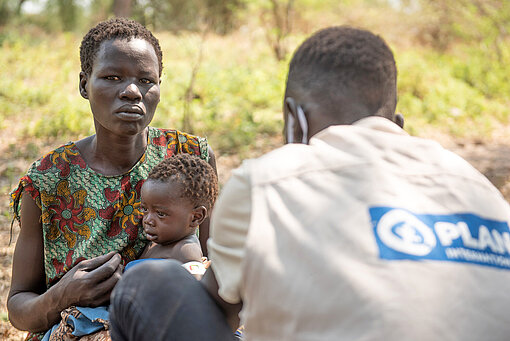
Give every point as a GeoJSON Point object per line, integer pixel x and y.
{"type": "Point", "coordinates": [117, 28]}
{"type": "Point", "coordinates": [338, 76]}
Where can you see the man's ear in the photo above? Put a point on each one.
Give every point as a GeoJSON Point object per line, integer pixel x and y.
{"type": "Point", "coordinates": [198, 216]}
{"type": "Point", "coordinates": [399, 120]}
{"type": "Point", "coordinates": [84, 78]}
{"type": "Point", "coordinates": [291, 129]}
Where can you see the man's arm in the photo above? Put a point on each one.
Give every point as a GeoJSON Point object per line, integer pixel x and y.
{"type": "Point", "coordinates": [231, 311]}
{"type": "Point", "coordinates": [229, 228]}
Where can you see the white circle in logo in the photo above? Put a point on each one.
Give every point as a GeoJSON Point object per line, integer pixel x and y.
{"type": "Point", "coordinates": [403, 232]}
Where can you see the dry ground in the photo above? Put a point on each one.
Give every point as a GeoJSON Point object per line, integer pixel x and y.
{"type": "Point", "coordinates": [489, 156]}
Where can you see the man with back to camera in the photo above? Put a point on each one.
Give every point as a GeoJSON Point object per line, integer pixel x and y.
{"type": "Point", "coordinates": [354, 230]}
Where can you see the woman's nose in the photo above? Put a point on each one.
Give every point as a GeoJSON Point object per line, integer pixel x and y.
{"type": "Point", "coordinates": [131, 92]}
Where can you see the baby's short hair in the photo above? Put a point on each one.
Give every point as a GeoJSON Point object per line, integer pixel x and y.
{"type": "Point", "coordinates": [116, 28]}
{"type": "Point", "coordinates": [344, 58]}
{"type": "Point", "coordinates": [197, 177]}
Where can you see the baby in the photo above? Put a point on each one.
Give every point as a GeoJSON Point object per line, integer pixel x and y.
{"type": "Point", "coordinates": [175, 199]}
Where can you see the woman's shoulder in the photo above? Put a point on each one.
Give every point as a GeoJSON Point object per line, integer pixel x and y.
{"type": "Point", "coordinates": [46, 172]}
{"type": "Point", "coordinates": [65, 154]}
{"type": "Point", "coordinates": [172, 134]}
{"type": "Point", "coordinates": [176, 141]}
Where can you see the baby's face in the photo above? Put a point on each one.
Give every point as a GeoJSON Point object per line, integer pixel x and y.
{"type": "Point", "coordinates": [167, 217]}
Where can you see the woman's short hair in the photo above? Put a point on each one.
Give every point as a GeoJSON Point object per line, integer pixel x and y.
{"type": "Point", "coordinates": [114, 29]}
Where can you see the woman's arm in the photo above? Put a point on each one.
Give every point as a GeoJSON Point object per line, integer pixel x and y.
{"type": "Point", "coordinates": [204, 227]}
{"type": "Point", "coordinates": [33, 308]}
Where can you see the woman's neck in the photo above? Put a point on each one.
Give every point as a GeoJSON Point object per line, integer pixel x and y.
{"type": "Point", "coordinates": [110, 154]}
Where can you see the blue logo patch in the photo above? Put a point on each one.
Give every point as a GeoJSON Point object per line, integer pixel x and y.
{"type": "Point", "coordinates": [461, 237]}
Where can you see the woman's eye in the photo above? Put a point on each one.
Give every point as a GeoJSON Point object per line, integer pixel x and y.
{"type": "Point", "coordinates": [112, 78]}
{"type": "Point", "coordinates": [161, 214]}
{"type": "Point", "coordinates": [145, 81]}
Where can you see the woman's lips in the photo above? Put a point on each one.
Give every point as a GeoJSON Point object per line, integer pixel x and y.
{"type": "Point", "coordinates": [129, 116]}
{"type": "Point", "coordinates": [130, 112]}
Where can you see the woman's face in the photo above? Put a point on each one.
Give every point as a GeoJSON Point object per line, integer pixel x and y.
{"type": "Point", "coordinates": [123, 87]}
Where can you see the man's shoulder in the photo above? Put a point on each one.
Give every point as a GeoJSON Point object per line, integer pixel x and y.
{"type": "Point", "coordinates": [291, 160]}
{"type": "Point", "coordinates": [347, 148]}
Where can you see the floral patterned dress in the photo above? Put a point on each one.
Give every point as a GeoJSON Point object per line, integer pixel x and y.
{"type": "Point", "coordinates": [86, 214]}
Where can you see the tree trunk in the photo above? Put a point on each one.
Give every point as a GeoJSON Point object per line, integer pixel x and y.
{"type": "Point", "coordinates": [122, 8]}
{"type": "Point", "coordinates": [18, 7]}
{"type": "Point", "coordinates": [67, 12]}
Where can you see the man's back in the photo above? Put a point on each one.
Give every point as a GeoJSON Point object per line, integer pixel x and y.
{"type": "Point", "coordinates": [368, 234]}
{"type": "Point", "coordinates": [364, 234]}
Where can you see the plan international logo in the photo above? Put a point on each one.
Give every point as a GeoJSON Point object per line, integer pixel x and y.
{"type": "Point", "coordinates": [461, 237]}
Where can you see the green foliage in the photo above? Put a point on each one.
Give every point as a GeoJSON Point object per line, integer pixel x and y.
{"type": "Point", "coordinates": [454, 94]}
{"type": "Point", "coordinates": [235, 100]}
{"type": "Point", "coordinates": [237, 94]}
{"type": "Point", "coordinates": [39, 87]}
{"type": "Point", "coordinates": [191, 15]}
{"type": "Point", "coordinates": [67, 13]}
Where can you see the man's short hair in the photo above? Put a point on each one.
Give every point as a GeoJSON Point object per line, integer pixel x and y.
{"type": "Point", "coordinates": [345, 60]}
{"type": "Point", "coordinates": [197, 178]}
{"type": "Point", "coordinates": [116, 28]}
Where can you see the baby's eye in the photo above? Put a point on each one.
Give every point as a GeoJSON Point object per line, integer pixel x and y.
{"type": "Point", "coordinates": [146, 81]}
{"type": "Point", "coordinates": [112, 78]}
{"type": "Point", "coordinates": [143, 209]}
{"type": "Point", "coordinates": [161, 214]}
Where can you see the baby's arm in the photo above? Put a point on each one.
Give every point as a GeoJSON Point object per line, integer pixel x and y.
{"type": "Point", "coordinates": [191, 257]}
{"type": "Point", "coordinates": [188, 250]}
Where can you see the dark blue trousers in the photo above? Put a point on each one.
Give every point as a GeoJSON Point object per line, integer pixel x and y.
{"type": "Point", "coordinates": [160, 300]}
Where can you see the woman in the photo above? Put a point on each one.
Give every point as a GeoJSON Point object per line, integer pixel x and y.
{"type": "Point", "coordinates": [80, 219]}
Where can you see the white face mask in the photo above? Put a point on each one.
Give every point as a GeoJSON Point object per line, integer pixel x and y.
{"type": "Point", "coordinates": [303, 124]}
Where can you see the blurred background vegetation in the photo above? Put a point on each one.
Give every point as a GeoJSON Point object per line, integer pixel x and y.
{"type": "Point", "coordinates": [225, 64]}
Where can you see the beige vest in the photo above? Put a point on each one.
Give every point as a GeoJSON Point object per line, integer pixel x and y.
{"type": "Point", "coordinates": [330, 221]}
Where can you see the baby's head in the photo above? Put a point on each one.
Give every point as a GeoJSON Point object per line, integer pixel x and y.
{"type": "Point", "coordinates": [176, 198]}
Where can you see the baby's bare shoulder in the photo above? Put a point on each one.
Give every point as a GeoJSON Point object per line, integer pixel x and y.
{"type": "Point", "coordinates": [189, 249]}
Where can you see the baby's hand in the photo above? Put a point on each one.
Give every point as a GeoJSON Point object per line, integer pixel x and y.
{"type": "Point", "coordinates": [206, 262]}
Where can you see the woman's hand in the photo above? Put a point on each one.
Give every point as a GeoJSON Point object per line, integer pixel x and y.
{"type": "Point", "coordinates": [31, 307]}
{"type": "Point", "coordinates": [91, 282]}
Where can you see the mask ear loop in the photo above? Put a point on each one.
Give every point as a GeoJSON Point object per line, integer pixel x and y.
{"type": "Point", "coordinates": [290, 129]}
{"type": "Point", "coordinates": [302, 122]}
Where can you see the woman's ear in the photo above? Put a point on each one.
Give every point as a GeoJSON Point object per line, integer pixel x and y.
{"type": "Point", "coordinates": [198, 216]}
{"type": "Point", "coordinates": [83, 85]}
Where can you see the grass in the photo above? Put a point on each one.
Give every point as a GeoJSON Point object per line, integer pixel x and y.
{"type": "Point", "coordinates": [237, 95]}
{"type": "Point", "coordinates": [238, 88]}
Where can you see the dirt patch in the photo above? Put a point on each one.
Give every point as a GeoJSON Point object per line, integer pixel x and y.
{"type": "Point", "coordinates": [491, 156]}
